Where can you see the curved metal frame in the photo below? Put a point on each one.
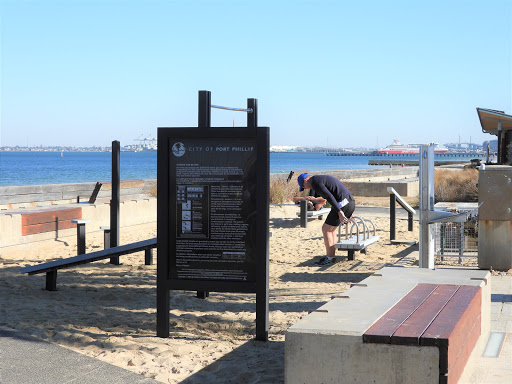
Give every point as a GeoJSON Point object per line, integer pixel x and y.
{"type": "Point", "coordinates": [357, 222]}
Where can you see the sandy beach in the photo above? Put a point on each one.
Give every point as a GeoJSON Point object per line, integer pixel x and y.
{"type": "Point", "coordinates": [108, 312]}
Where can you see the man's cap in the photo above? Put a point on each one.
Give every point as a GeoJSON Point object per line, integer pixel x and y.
{"type": "Point", "coordinates": [300, 180]}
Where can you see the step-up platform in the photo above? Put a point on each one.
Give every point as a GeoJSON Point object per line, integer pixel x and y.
{"type": "Point", "coordinates": [400, 325]}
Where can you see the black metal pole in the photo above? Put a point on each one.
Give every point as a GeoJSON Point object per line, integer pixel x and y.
{"type": "Point", "coordinates": [409, 219]}
{"type": "Point", "coordinates": [204, 121]}
{"type": "Point", "coordinates": [303, 213]}
{"type": "Point", "coordinates": [80, 235]}
{"type": "Point", "coordinates": [262, 206]}
{"type": "Point", "coordinates": [204, 109]}
{"type": "Point", "coordinates": [392, 216]}
{"type": "Point", "coordinates": [252, 117]}
{"type": "Point", "coordinates": [114, 202]}
{"type": "Point", "coordinates": [162, 265]}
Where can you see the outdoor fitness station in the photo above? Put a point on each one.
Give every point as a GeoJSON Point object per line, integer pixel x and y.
{"type": "Point", "coordinates": [213, 211]}
{"type": "Point", "coordinates": [416, 325]}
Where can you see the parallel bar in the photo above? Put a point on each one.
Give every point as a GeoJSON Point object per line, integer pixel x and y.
{"type": "Point", "coordinates": [248, 110]}
{"type": "Point", "coordinates": [392, 216]}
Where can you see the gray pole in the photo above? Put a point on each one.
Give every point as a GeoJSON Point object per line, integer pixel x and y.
{"type": "Point", "coordinates": [426, 259]}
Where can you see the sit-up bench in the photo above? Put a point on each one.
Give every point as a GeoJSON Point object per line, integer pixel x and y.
{"type": "Point", "coordinates": [358, 238]}
{"type": "Point", "coordinates": [304, 214]}
{"type": "Point", "coordinates": [51, 267]}
{"type": "Point", "coordinates": [444, 316]}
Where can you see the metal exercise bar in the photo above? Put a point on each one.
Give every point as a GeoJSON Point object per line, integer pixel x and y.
{"type": "Point", "coordinates": [248, 110]}
{"type": "Point", "coordinates": [394, 198]}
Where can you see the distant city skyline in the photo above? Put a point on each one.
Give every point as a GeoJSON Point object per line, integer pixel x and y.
{"type": "Point", "coordinates": [325, 73]}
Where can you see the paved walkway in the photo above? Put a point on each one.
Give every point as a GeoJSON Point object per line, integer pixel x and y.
{"type": "Point", "coordinates": [26, 360]}
{"type": "Point", "coordinates": [495, 370]}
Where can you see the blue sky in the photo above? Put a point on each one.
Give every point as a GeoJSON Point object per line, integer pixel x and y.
{"type": "Point", "coordinates": [330, 73]}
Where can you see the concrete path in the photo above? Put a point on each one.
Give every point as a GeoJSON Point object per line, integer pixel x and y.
{"type": "Point", "coordinates": [27, 360]}
{"type": "Point", "coordinates": [495, 370]}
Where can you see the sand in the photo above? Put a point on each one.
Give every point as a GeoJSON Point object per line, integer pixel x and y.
{"type": "Point", "coordinates": [108, 312]}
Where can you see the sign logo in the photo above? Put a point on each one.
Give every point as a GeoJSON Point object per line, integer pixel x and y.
{"type": "Point", "coordinates": [178, 149]}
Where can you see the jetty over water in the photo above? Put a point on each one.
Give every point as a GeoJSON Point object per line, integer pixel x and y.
{"type": "Point", "coordinates": [453, 155]}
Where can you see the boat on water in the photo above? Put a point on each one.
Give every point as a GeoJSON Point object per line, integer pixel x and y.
{"type": "Point", "coordinates": [407, 149]}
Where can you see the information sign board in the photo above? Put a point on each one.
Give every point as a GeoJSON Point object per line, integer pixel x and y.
{"type": "Point", "coordinates": [213, 219]}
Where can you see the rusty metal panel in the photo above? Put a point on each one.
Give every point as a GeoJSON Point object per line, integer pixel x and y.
{"type": "Point", "coordinates": [495, 245]}
{"type": "Point", "coordinates": [495, 193]}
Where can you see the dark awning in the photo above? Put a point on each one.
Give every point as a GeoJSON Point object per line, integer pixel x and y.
{"type": "Point", "coordinates": [489, 119]}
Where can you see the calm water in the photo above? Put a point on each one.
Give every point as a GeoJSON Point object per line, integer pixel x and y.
{"type": "Point", "coordinates": [29, 168]}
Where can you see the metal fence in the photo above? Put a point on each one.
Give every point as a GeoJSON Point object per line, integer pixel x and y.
{"type": "Point", "coordinates": [457, 239]}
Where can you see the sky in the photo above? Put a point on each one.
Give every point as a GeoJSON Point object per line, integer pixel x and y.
{"type": "Point", "coordinates": [325, 73]}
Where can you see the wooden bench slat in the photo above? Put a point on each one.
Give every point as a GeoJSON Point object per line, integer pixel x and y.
{"type": "Point", "coordinates": [385, 327]}
{"type": "Point", "coordinates": [450, 328]}
{"type": "Point", "coordinates": [410, 331]}
{"type": "Point", "coordinates": [90, 257]}
{"type": "Point", "coordinates": [455, 371]}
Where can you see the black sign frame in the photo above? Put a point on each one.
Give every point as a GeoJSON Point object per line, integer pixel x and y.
{"type": "Point", "coordinates": [167, 215]}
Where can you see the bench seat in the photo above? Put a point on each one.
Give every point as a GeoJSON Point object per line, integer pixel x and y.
{"type": "Point", "coordinates": [51, 267]}
{"type": "Point", "coordinates": [353, 243]}
{"type": "Point", "coordinates": [444, 316]}
{"type": "Point", "coordinates": [320, 212]}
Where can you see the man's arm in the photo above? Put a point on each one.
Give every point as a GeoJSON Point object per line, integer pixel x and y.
{"type": "Point", "coordinates": [325, 193]}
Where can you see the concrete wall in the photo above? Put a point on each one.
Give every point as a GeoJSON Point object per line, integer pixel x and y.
{"type": "Point", "coordinates": [405, 188]}
{"type": "Point", "coordinates": [331, 359]}
{"type": "Point", "coordinates": [366, 175]}
{"type": "Point", "coordinates": [26, 196]}
{"type": "Point", "coordinates": [131, 212]}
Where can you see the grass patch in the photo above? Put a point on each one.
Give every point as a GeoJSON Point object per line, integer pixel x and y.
{"type": "Point", "coordinates": [281, 191]}
{"type": "Point", "coordinates": [457, 186]}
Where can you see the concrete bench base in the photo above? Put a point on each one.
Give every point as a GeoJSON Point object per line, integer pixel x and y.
{"type": "Point", "coordinates": [443, 316]}
{"type": "Point", "coordinates": [327, 346]}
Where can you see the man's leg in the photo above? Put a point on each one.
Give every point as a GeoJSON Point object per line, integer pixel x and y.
{"type": "Point", "coordinates": [329, 233]}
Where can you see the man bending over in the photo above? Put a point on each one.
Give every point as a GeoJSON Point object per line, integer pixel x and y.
{"type": "Point", "coordinates": [342, 208]}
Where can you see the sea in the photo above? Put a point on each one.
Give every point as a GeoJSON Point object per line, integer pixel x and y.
{"type": "Point", "coordinates": [33, 168]}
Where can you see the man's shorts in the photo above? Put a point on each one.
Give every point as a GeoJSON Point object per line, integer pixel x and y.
{"type": "Point", "coordinates": [333, 218]}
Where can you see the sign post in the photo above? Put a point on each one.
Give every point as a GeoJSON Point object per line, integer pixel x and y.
{"type": "Point", "coordinates": [213, 212]}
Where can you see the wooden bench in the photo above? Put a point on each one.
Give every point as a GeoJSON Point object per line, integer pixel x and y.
{"type": "Point", "coordinates": [51, 267]}
{"type": "Point", "coordinates": [48, 219]}
{"type": "Point", "coordinates": [442, 316]}
{"type": "Point", "coordinates": [358, 238]}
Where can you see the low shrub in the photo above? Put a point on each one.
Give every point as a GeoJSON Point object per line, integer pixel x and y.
{"type": "Point", "coordinates": [459, 186]}
{"type": "Point", "coordinates": [282, 191]}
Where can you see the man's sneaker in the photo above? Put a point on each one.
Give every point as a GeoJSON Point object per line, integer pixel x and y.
{"type": "Point", "coordinates": [326, 261]}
